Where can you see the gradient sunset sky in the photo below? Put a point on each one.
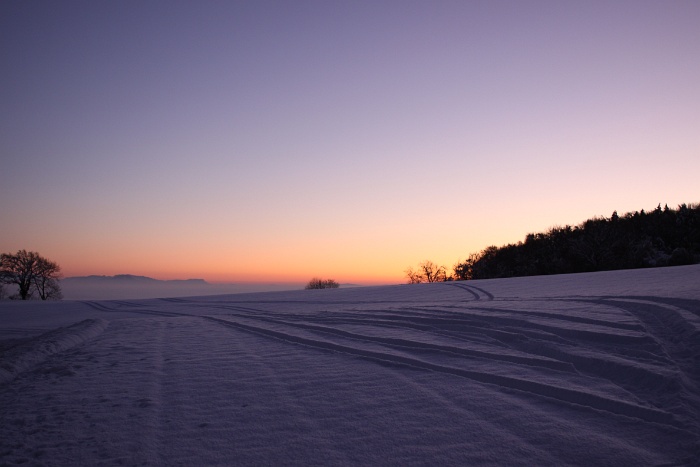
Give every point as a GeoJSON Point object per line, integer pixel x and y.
{"type": "Point", "coordinates": [280, 140]}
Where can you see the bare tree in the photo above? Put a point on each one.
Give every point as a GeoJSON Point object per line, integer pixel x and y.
{"type": "Point", "coordinates": [30, 271]}
{"type": "Point", "coordinates": [414, 277]}
{"type": "Point", "coordinates": [19, 269]}
{"type": "Point", "coordinates": [432, 272]}
{"type": "Point", "coordinates": [46, 279]}
{"type": "Point", "coordinates": [317, 283]}
{"type": "Point", "coordinates": [427, 272]}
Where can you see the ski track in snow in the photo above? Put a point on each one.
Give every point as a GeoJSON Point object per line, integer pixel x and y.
{"type": "Point", "coordinates": [564, 370]}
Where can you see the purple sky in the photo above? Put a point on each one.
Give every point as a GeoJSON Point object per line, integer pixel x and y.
{"type": "Point", "coordinates": [280, 140]}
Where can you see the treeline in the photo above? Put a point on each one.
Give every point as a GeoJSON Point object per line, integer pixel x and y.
{"type": "Point", "coordinates": [662, 237]}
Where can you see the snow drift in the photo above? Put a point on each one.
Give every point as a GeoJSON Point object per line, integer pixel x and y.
{"type": "Point", "coordinates": [585, 369]}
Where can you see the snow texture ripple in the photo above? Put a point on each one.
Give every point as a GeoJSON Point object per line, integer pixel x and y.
{"type": "Point", "coordinates": [586, 369]}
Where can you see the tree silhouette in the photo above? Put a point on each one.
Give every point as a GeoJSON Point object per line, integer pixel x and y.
{"type": "Point", "coordinates": [30, 271]}
{"type": "Point", "coordinates": [317, 283]}
{"type": "Point", "coordinates": [46, 279]}
{"type": "Point", "coordinates": [414, 277]}
{"type": "Point", "coordinates": [427, 272]}
{"type": "Point", "coordinates": [662, 237]}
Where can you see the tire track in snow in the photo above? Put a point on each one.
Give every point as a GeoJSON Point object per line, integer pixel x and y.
{"type": "Point", "coordinates": [685, 305]}
{"type": "Point", "coordinates": [638, 368]}
{"type": "Point", "coordinates": [128, 304]}
{"type": "Point", "coordinates": [306, 426]}
{"type": "Point", "coordinates": [97, 306]}
{"type": "Point", "coordinates": [471, 289]}
{"type": "Point", "coordinates": [483, 318]}
{"type": "Point", "coordinates": [454, 329]}
{"type": "Point", "coordinates": [151, 403]}
{"type": "Point", "coordinates": [534, 350]}
{"type": "Point", "coordinates": [175, 300]}
{"type": "Point", "coordinates": [500, 319]}
{"type": "Point", "coordinates": [571, 396]}
{"type": "Point", "coordinates": [426, 346]}
{"type": "Point", "coordinates": [558, 316]}
{"type": "Point", "coordinates": [677, 338]}
{"type": "Point", "coordinates": [100, 306]}
{"type": "Point", "coordinates": [678, 343]}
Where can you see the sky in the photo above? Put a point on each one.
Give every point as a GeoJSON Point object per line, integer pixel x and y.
{"type": "Point", "coordinates": [278, 141]}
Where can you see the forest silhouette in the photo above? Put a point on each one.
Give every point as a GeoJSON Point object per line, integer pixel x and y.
{"type": "Point", "coordinates": [662, 237]}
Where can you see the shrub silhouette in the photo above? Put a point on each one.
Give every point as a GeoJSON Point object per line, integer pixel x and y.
{"type": "Point", "coordinates": [317, 283]}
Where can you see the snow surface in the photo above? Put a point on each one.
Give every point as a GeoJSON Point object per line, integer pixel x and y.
{"type": "Point", "coordinates": [585, 369]}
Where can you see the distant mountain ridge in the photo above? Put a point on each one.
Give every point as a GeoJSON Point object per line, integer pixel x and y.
{"type": "Point", "coordinates": [130, 278]}
{"type": "Point", "coordinates": [130, 286]}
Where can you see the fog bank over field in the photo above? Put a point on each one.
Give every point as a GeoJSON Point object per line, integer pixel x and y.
{"type": "Point", "coordinates": [127, 286]}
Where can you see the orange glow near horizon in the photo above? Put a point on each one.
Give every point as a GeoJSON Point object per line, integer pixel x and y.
{"type": "Point", "coordinates": [348, 144]}
{"type": "Point", "coordinates": [377, 257]}
{"type": "Point", "coordinates": [214, 275]}
{"type": "Point", "coordinates": [216, 265]}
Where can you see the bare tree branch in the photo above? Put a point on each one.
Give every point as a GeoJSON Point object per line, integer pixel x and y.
{"type": "Point", "coordinates": [31, 272]}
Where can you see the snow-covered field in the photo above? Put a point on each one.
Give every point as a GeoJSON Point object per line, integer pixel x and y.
{"type": "Point", "coordinates": [587, 369]}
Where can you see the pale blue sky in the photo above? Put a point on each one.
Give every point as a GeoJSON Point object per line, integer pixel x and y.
{"type": "Point", "coordinates": [276, 140]}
